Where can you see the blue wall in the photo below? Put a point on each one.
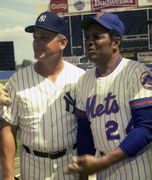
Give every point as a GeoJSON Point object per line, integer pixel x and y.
{"type": "Point", "coordinates": [5, 75]}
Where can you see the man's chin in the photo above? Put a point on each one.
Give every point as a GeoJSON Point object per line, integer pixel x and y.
{"type": "Point", "coordinates": [92, 59]}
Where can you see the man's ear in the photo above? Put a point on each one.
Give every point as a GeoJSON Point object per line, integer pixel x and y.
{"type": "Point", "coordinates": [63, 42]}
{"type": "Point", "coordinates": [116, 42]}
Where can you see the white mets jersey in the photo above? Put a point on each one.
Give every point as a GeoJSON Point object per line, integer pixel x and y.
{"type": "Point", "coordinates": [107, 102]}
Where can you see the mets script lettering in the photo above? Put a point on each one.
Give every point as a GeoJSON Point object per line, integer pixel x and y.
{"type": "Point", "coordinates": [109, 106]}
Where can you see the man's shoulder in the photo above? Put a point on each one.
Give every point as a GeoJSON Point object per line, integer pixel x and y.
{"type": "Point", "coordinates": [134, 69]}
{"type": "Point", "coordinates": [20, 73]}
{"type": "Point", "coordinates": [73, 67]}
{"type": "Point", "coordinates": [91, 71]}
{"type": "Point", "coordinates": [89, 75]}
{"type": "Point", "coordinates": [132, 64]}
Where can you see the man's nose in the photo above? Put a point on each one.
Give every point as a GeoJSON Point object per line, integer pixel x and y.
{"type": "Point", "coordinates": [89, 42]}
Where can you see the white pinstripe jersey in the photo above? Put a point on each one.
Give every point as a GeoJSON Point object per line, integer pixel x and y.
{"type": "Point", "coordinates": [39, 108]}
{"type": "Point", "coordinates": [107, 101]}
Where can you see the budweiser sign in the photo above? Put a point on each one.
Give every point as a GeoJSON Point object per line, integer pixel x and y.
{"type": "Point", "coordinates": [102, 4]}
{"type": "Point", "coordinates": [57, 6]}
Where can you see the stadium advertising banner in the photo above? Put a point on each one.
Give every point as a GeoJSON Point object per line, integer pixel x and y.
{"type": "Point", "coordinates": [57, 6]}
{"type": "Point", "coordinates": [144, 2]}
{"type": "Point", "coordinates": [72, 6]}
{"type": "Point", "coordinates": [79, 6]}
{"type": "Point", "coordinates": [145, 57]}
{"type": "Point", "coordinates": [105, 4]}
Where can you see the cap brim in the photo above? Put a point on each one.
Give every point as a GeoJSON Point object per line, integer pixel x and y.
{"type": "Point", "coordinates": [87, 22]}
{"type": "Point", "coordinates": [90, 20]}
{"type": "Point", "coordinates": [30, 29]}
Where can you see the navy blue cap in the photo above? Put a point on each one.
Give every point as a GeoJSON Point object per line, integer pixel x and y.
{"type": "Point", "coordinates": [50, 21]}
{"type": "Point", "coordinates": [108, 20]}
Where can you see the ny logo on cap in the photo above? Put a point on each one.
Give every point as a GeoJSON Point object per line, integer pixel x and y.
{"type": "Point", "coordinates": [42, 18]}
{"type": "Point", "coordinates": [99, 14]}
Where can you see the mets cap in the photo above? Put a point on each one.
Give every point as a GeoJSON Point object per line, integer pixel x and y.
{"type": "Point", "coordinates": [108, 20]}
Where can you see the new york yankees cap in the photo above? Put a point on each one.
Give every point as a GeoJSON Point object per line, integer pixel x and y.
{"type": "Point", "coordinates": [50, 21]}
{"type": "Point", "coordinates": [109, 20]}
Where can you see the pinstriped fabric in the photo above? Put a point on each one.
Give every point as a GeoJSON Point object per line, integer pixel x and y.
{"type": "Point", "coordinates": [34, 167]}
{"type": "Point", "coordinates": [107, 100]}
{"type": "Point", "coordinates": [134, 169]}
{"type": "Point", "coordinates": [45, 123]}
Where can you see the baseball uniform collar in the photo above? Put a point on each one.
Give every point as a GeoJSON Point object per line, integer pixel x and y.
{"type": "Point", "coordinates": [97, 74]}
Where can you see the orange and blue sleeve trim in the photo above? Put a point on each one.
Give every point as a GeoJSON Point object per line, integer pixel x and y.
{"type": "Point", "coordinates": [140, 103]}
{"type": "Point", "coordinates": [80, 113]}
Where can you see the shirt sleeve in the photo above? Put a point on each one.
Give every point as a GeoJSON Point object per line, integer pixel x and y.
{"type": "Point", "coordinates": [140, 100]}
{"type": "Point", "coordinates": [85, 143]}
{"type": "Point", "coordinates": [140, 88]}
{"type": "Point", "coordinates": [9, 114]}
{"type": "Point", "coordinates": [141, 135]}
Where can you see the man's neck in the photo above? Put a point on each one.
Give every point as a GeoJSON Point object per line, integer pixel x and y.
{"type": "Point", "coordinates": [108, 65]}
{"type": "Point", "coordinates": [49, 70]}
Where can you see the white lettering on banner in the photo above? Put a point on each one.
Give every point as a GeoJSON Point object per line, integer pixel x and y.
{"type": "Point", "coordinates": [145, 54]}
{"type": "Point", "coordinates": [59, 6]}
{"type": "Point", "coordinates": [111, 2]}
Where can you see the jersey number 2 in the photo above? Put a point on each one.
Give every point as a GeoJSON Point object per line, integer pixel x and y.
{"type": "Point", "coordinates": [112, 129]}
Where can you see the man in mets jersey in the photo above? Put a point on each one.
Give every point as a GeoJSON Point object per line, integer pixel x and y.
{"type": "Point", "coordinates": [114, 107]}
{"type": "Point", "coordinates": [43, 105]}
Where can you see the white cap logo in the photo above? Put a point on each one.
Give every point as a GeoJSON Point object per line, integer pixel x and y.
{"type": "Point", "coordinates": [42, 18]}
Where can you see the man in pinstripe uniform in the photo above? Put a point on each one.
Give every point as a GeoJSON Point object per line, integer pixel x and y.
{"type": "Point", "coordinates": [42, 110]}
{"type": "Point", "coordinates": [114, 107]}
